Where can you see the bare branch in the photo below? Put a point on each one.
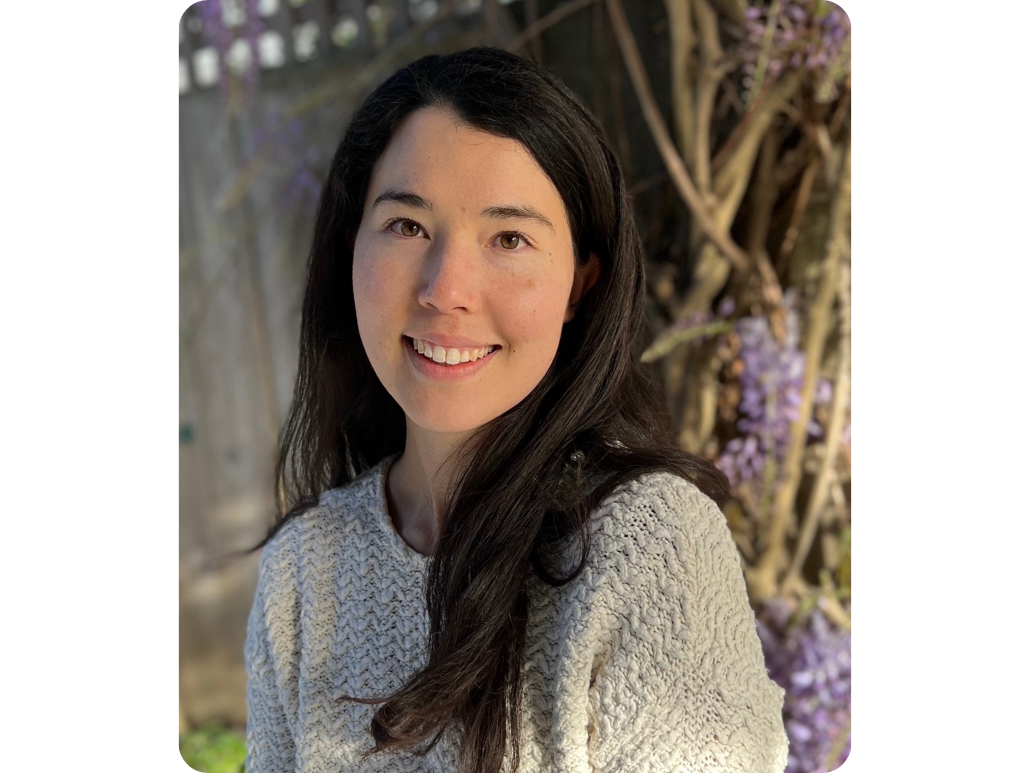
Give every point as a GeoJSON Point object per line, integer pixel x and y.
{"type": "Point", "coordinates": [731, 180]}
{"type": "Point", "coordinates": [681, 38]}
{"type": "Point", "coordinates": [842, 391]}
{"type": "Point", "coordinates": [763, 200]}
{"type": "Point", "coordinates": [768, 99]}
{"type": "Point", "coordinates": [710, 273]}
{"type": "Point", "coordinates": [712, 71]}
{"type": "Point", "coordinates": [800, 205]}
{"type": "Point", "coordinates": [842, 108]}
{"type": "Point", "coordinates": [701, 400]}
{"type": "Point", "coordinates": [734, 10]}
{"type": "Point", "coordinates": [763, 195]}
{"type": "Point", "coordinates": [762, 579]}
{"type": "Point", "coordinates": [562, 12]}
{"type": "Point", "coordinates": [673, 161]}
{"type": "Point", "coordinates": [536, 46]}
{"type": "Point", "coordinates": [618, 106]}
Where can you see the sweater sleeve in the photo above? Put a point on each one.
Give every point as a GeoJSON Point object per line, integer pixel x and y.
{"type": "Point", "coordinates": [684, 687]}
{"type": "Point", "coordinates": [270, 743]}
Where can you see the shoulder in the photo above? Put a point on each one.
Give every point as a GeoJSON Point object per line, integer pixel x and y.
{"type": "Point", "coordinates": [663, 492]}
{"type": "Point", "coordinates": [684, 652]}
{"type": "Point", "coordinates": [660, 536]}
{"type": "Point", "coordinates": [655, 513]}
{"type": "Point", "coordinates": [345, 511]}
{"type": "Point", "coordinates": [365, 492]}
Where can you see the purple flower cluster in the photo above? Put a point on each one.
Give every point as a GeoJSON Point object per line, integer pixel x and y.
{"type": "Point", "coordinates": [792, 34]}
{"type": "Point", "coordinates": [222, 38]}
{"type": "Point", "coordinates": [811, 660]}
{"type": "Point", "coordinates": [252, 30]}
{"type": "Point", "coordinates": [218, 35]}
{"type": "Point", "coordinates": [284, 145]}
{"type": "Point", "coordinates": [770, 396]}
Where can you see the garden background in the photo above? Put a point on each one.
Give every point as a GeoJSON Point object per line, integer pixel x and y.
{"type": "Point", "coordinates": [732, 121]}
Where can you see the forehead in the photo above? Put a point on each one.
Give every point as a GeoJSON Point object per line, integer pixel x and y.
{"type": "Point", "coordinates": [434, 154]}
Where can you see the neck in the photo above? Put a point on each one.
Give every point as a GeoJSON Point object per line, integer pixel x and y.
{"type": "Point", "coordinates": [418, 483]}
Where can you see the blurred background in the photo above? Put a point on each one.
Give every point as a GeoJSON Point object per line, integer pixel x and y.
{"type": "Point", "coordinates": [732, 122]}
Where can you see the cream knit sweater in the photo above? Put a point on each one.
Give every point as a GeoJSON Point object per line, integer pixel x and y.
{"type": "Point", "coordinates": [648, 662]}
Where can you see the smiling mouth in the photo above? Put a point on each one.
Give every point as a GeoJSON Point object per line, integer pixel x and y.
{"type": "Point", "coordinates": [443, 355]}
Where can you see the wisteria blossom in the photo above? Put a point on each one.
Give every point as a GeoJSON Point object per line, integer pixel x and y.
{"type": "Point", "coordinates": [810, 34]}
{"type": "Point", "coordinates": [770, 383]}
{"type": "Point", "coordinates": [811, 660]}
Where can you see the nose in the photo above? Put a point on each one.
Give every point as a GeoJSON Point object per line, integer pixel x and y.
{"type": "Point", "coordinates": [448, 281]}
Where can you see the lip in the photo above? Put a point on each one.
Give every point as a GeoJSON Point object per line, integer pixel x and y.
{"type": "Point", "coordinates": [439, 372]}
{"type": "Point", "coordinates": [449, 341]}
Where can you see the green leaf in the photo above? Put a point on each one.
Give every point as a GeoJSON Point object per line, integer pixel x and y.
{"type": "Point", "coordinates": [213, 749]}
{"type": "Point", "coordinates": [674, 335]}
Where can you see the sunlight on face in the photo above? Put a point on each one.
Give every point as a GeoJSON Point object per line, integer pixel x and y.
{"type": "Point", "coordinates": [464, 244]}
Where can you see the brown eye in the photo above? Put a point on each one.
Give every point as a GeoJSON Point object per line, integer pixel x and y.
{"type": "Point", "coordinates": [510, 241]}
{"type": "Point", "coordinates": [407, 228]}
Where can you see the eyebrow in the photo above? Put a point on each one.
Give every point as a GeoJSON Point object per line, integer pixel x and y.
{"type": "Point", "coordinates": [509, 212]}
{"type": "Point", "coordinates": [402, 197]}
{"type": "Point", "coordinates": [517, 211]}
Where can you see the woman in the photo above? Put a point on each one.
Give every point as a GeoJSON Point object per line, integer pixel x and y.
{"type": "Point", "coordinates": [492, 556]}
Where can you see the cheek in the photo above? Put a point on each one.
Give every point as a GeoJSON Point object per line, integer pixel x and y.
{"type": "Point", "coordinates": [535, 312]}
{"type": "Point", "coordinates": [366, 280]}
{"type": "Point", "coordinates": [375, 274]}
{"type": "Point", "coordinates": [374, 292]}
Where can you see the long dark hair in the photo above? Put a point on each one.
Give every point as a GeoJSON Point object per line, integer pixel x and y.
{"type": "Point", "coordinates": [595, 421]}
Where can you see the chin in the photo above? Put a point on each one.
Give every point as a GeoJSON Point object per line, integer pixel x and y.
{"type": "Point", "coordinates": [446, 423]}
{"type": "Point", "coordinates": [451, 416]}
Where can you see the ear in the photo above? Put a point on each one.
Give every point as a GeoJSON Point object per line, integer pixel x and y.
{"type": "Point", "coordinates": [584, 278]}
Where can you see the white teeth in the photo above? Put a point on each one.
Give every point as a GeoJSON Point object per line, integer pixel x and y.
{"type": "Point", "coordinates": [449, 356]}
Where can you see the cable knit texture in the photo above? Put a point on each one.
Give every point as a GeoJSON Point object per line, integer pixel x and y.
{"type": "Point", "coordinates": [648, 662]}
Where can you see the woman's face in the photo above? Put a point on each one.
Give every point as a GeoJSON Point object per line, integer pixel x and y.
{"type": "Point", "coordinates": [464, 251]}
